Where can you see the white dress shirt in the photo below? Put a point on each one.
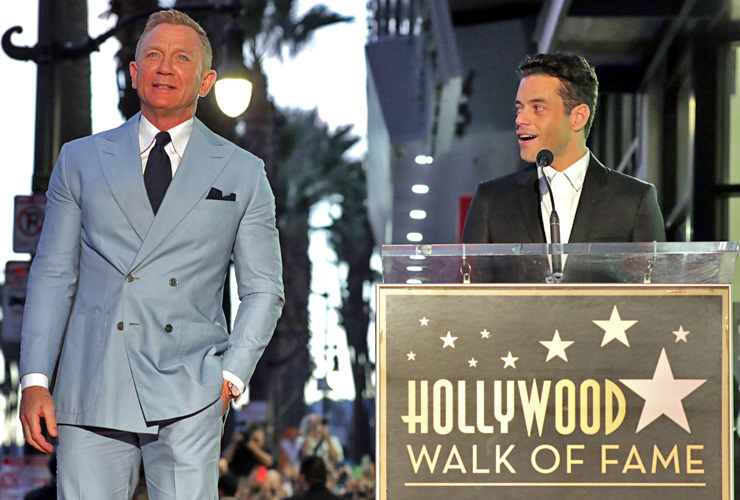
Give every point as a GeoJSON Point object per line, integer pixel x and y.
{"type": "Point", "coordinates": [180, 136]}
{"type": "Point", "coordinates": [566, 190]}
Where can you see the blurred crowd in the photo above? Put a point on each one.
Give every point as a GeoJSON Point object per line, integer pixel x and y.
{"type": "Point", "coordinates": [309, 464]}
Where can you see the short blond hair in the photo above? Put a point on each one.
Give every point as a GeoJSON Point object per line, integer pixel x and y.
{"type": "Point", "coordinates": [178, 18]}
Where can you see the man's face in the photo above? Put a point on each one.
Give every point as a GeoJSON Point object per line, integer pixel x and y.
{"type": "Point", "coordinates": [542, 123]}
{"type": "Point", "coordinates": [168, 72]}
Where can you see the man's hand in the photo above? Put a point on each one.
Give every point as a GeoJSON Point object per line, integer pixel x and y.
{"type": "Point", "coordinates": [225, 396]}
{"type": "Point", "coordinates": [36, 403]}
{"type": "Point", "coordinates": [325, 432]}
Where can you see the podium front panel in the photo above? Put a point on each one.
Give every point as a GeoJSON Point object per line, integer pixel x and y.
{"type": "Point", "coordinates": [556, 391]}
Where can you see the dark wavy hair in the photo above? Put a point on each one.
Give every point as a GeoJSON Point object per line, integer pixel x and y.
{"type": "Point", "coordinates": [579, 84]}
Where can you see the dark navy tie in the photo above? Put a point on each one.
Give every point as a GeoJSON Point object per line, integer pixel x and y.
{"type": "Point", "coordinates": [158, 172]}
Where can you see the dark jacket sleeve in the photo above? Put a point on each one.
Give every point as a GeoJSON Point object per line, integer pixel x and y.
{"type": "Point", "coordinates": [649, 225]}
{"type": "Point", "coordinates": [476, 222]}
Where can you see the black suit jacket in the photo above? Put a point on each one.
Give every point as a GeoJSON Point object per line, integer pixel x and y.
{"type": "Point", "coordinates": [613, 207]}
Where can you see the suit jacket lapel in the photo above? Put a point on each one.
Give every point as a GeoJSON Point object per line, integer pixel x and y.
{"type": "Point", "coordinates": [594, 187]}
{"type": "Point", "coordinates": [528, 198]}
{"type": "Point", "coordinates": [204, 159]}
{"type": "Point", "coordinates": [120, 161]}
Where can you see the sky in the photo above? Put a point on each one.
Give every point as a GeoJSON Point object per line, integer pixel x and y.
{"type": "Point", "coordinates": [329, 75]}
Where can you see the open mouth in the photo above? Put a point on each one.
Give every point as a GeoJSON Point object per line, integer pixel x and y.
{"type": "Point", "coordinates": [163, 86]}
{"type": "Point", "coordinates": [526, 137]}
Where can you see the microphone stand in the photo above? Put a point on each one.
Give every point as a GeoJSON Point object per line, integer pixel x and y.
{"type": "Point", "coordinates": [555, 252]}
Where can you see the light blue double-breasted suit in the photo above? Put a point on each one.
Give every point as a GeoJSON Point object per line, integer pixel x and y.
{"type": "Point", "coordinates": [129, 305]}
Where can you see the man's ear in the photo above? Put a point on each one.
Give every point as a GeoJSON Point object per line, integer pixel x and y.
{"type": "Point", "coordinates": [579, 116]}
{"type": "Point", "coordinates": [207, 79]}
{"type": "Point", "coordinates": [133, 70]}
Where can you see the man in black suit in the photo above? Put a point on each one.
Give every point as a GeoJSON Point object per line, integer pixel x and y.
{"type": "Point", "coordinates": [555, 107]}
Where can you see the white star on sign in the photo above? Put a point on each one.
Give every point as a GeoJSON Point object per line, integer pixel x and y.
{"type": "Point", "coordinates": [615, 328]}
{"type": "Point", "coordinates": [473, 363]}
{"type": "Point", "coordinates": [556, 347]}
{"type": "Point", "coordinates": [681, 334]}
{"type": "Point", "coordinates": [424, 321]}
{"type": "Point", "coordinates": [412, 356]}
{"type": "Point", "coordinates": [485, 334]}
{"type": "Point", "coordinates": [663, 394]}
{"type": "Point", "coordinates": [509, 361]}
{"type": "Point", "coordinates": [449, 340]}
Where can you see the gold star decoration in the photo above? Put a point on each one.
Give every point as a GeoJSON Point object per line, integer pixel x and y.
{"type": "Point", "coordinates": [663, 394]}
{"type": "Point", "coordinates": [485, 334]}
{"type": "Point", "coordinates": [556, 347]}
{"type": "Point", "coordinates": [449, 340]}
{"type": "Point", "coordinates": [615, 328]}
{"type": "Point", "coordinates": [509, 361]}
{"type": "Point", "coordinates": [412, 356]}
{"type": "Point", "coordinates": [681, 334]}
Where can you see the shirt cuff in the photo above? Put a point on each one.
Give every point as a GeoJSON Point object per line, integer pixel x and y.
{"type": "Point", "coordinates": [244, 397]}
{"type": "Point", "coordinates": [33, 379]}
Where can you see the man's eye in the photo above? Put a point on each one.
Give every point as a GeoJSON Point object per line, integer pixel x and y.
{"type": "Point", "coordinates": [182, 58]}
{"type": "Point", "coordinates": [539, 108]}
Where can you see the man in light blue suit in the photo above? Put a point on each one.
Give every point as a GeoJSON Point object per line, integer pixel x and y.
{"type": "Point", "coordinates": [124, 299]}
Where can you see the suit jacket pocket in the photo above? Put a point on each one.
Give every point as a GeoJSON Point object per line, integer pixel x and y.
{"type": "Point", "coordinates": [217, 205]}
{"type": "Point", "coordinates": [78, 375]}
{"type": "Point", "coordinates": [201, 346]}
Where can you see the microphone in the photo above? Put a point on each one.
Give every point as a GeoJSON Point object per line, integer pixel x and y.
{"type": "Point", "coordinates": [545, 159]}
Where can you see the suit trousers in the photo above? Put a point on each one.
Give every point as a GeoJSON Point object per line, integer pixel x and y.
{"type": "Point", "coordinates": [180, 461]}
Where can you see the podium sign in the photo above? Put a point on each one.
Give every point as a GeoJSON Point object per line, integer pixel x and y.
{"type": "Point", "coordinates": [558, 392]}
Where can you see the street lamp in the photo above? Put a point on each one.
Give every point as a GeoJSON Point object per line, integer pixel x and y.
{"type": "Point", "coordinates": [233, 89]}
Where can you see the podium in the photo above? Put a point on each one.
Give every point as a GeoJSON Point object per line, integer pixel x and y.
{"type": "Point", "coordinates": [614, 383]}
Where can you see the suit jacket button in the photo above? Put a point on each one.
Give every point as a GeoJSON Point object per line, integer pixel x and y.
{"type": "Point", "coordinates": [173, 281]}
{"type": "Point", "coordinates": [129, 278]}
{"type": "Point", "coordinates": [120, 325]}
{"type": "Point", "coordinates": [168, 328]}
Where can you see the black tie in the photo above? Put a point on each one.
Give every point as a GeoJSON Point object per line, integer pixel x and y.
{"type": "Point", "coordinates": [158, 172]}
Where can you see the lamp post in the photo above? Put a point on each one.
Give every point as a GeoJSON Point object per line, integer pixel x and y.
{"type": "Point", "coordinates": [47, 52]}
{"type": "Point", "coordinates": [233, 88]}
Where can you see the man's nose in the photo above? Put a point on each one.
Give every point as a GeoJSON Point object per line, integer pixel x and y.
{"type": "Point", "coordinates": [521, 119]}
{"type": "Point", "coordinates": [165, 67]}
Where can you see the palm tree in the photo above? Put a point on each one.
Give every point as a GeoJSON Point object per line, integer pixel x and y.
{"type": "Point", "coordinates": [352, 240]}
{"type": "Point", "coordinates": [306, 174]}
{"type": "Point", "coordinates": [128, 102]}
{"type": "Point", "coordinates": [314, 167]}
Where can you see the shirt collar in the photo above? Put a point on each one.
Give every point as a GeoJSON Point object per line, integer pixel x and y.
{"type": "Point", "coordinates": [180, 135]}
{"type": "Point", "coordinates": [575, 174]}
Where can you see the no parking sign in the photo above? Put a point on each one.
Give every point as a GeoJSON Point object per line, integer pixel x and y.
{"type": "Point", "coordinates": [28, 221]}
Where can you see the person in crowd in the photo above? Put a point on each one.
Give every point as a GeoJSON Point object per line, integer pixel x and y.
{"type": "Point", "coordinates": [317, 440]}
{"type": "Point", "coordinates": [314, 480]}
{"type": "Point", "coordinates": [227, 487]}
{"type": "Point", "coordinates": [125, 294]}
{"type": "Point", "coordinates": [248, 451]}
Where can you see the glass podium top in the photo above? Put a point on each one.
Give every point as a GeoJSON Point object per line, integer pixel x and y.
{"type": "Point", "coordinates": [664, 263]}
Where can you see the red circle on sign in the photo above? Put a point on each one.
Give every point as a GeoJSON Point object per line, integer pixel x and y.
{"type": "Point", "coordinates": [30, 221]}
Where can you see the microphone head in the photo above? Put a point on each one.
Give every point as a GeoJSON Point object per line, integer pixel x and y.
{"type": "Point", "coordinates": [545, 158]}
